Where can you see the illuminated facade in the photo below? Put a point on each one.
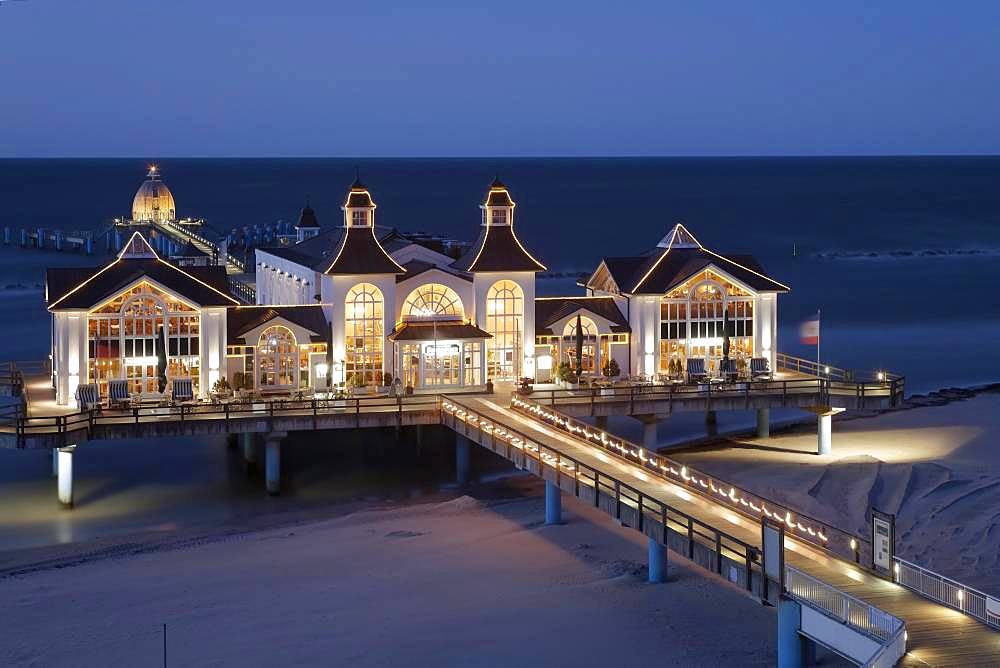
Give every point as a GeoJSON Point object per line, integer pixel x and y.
{"type": "Point", "coordinates": [127, 319]}
{"type": "Point", "coordinates": [153, 202]}
{"type": "Point", "coordinates": [408, 311]}
{"type": "Point", "coordinates": [681, 301]}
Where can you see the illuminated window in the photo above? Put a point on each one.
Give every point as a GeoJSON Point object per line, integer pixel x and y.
{"type": "Point", "coordinates": [433, 299]}
{"type": "Point", "coordinates": [363, 316]}
{"type": "Point", "coordinates": [499, 216]}
{"type": "Point", "coordinates": [359, 218]}
{"type": "Point", "coordinates": [123, 337]}
{"type": "Point", "coordinates": [277, 358]}
{"type": "Point", "coordinates": [504, 320]}
{"type": "Point", "coordinates": [693, 323]}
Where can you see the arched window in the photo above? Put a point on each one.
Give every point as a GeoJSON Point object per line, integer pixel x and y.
{"type": "Point", "coordinates": [433, 299]}
{"type": "Point", "coordinates": [277, 357]}
{"type": "Point", "coordinates": [504, 320]}
{"type": "Point", "coordinates": [124, 333]}
{"type": "Point", "coordinates": [364, 335]}
{"type": "Point", "coordinates": [589, 331]}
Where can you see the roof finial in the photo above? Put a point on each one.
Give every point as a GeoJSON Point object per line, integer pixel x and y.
{"type": "Point", "coordinates": [357, 178]}
{"type": "Point", "coordinates": [307, 200]}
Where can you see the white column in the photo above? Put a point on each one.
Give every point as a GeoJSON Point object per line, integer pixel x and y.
{"type": "Point", "coordinates": [763, 422]}
{"type": "Point", "coordinates": [824, 429]}
{"type": "Point", "coordinates": [66, 476]}
{"type": "Point", "coordinates": [553, 503]}
{"type": "Point", "coordinates": [657, 561]}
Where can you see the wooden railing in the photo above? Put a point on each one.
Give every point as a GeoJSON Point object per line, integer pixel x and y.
{"type": "Point", "coordinates": [821, 388]}
{"type": "Point", "coordinates": [25, 426]}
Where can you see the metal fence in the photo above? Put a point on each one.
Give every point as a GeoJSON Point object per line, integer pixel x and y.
{"type": "Point", "coordinates": [803, 527]}
{"type": "Point", "coordinates": [944, 590]}
{"type": "Point", "coordinates": [840, 605]}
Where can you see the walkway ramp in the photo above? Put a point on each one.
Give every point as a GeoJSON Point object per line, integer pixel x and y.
{"type": "Point", "coordinates": [937, 635]}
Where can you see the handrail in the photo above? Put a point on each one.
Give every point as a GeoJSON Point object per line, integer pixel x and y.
{"type": "Point", "coordinates": [811, 530]}
{"type": "Point", "coordinates": [823, 388]}
{"type": "Point", "coordinates": [823, 370]}
{"type": "Point", "coordinates": [28, 426]}
{"type": "Point", "coordinates": [560, 461]}
{"type": "Point", "coordinates": [948, 592]}
{"type": "Point", "coordinates": [855, 613]}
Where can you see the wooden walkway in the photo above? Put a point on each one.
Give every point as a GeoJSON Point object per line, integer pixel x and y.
{"type": "Point", "coordinates": [937, 635]}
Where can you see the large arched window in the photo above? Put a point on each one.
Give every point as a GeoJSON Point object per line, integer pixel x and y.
{"type": "Point", "coordinates": [433, 299]}
{"type": "Point", "coordinates": [123, 335]}
{"type": "Point", "coordinates": [693, 322]}
{"type": "Point", "coordinates": [364, 335]}
{"type": "Point", "coordinates": [277, 357]}
{"type": "Point", "coordinates": [504, 320]}
{"type": "Point", "coordinates": [589, 331]}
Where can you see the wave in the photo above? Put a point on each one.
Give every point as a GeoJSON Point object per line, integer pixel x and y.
{"type": "Point", "coordinates": [906, 253]}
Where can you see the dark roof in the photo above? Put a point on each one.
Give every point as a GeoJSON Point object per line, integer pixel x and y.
{"type": "Point", "coordinates": [427, 330]}
{"type": "Point", "coordinates": [307, 218]}
{"type": "Point", "coordinates": [549, 311]}
{"type": "Point", "coordinates": [359, 252]}
{"type": "Point", "coordinates": [417, 267]}
{"type": "Point", "coordinates": [358, 195]}
{"type": "Point", "coordinates": [241, 320]}
{"type": "Point", "coordinates": [205, 286]}
{"type": "Point", "coordinates": [679, 264]}
{"type": "Point", "coordinates": [498, 197]}
{"type": "Point", "coordinates": [497, 249]}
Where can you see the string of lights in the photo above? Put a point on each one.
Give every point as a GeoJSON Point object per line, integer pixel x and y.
{"type": "Point", "coordinates": [677, 473]}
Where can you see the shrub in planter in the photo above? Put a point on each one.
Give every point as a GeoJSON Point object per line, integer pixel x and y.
{"type": "Point", "coordinates": [563, 370]}
{"type": "Point", "coordinates": [221, 386]}
{"type": "Point", "coordinates": [610, 369]}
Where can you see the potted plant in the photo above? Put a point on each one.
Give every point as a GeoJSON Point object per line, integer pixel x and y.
{"type": "Point", "coordinates": [408, 390]}
{"type": "Point", "coordinates": [524, 385]}
{"type": "Point", "coordinates": [610, 370]}
{"type": "Point", "coordinates": [221, 388]}
{"type": "Point", "coordinates": [562, 371]}
{"type": "Point", "coordinates": [571, 381]}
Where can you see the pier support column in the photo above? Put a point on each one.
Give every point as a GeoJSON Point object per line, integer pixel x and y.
{"type": "Point", "coordinates": [65, 483]}
{"type": "Point", "coordinates": [763, 423]}
{"type": "Point", "coordinates": [657, 561]}
{"type": "Point", "coordinates": [824, 431]}
{"type": "Point", "coordinates": [711, 423]}
{"type": "Point", "coordinates": [249, 448]}
{"type": "Point", "coordinates": [55, 462]}
{"type": "Point", "coordinates": [463, 459]}
{"type": "Point", "coordinates": [272, 461]}
{"type": "Point", "coordinates": [601, 422]}
{"type": "Point", "coordinates": [649, 425]}
{"type": "Point", "coordinates": [790, 654]}
{"type": "Point", "coordinates": [553, 503]}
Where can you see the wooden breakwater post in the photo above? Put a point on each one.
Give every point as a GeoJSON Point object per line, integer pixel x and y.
{"type": "Point", "coordinates": [6, 236]}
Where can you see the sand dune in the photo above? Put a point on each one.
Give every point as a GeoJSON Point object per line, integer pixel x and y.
{"type": "Point", "coordinates": [936, 467]}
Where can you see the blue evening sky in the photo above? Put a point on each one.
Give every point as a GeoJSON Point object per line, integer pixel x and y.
{"type": "Point", "coordinates": [512, 78]}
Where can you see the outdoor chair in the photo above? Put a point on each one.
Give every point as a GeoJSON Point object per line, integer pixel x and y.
{"type": "Point", "coordinates": [728, 371]}
{"type": "Point", "coordinates": [182, 390]}
{"type": "Point", "coordinates": [696, 369]}
{"type": "Point", "coordinates": [88, 397]}
{"type": "Point", "coordinates": [759, 368]}
{"type": "Point", "coordinates": [118, 394]}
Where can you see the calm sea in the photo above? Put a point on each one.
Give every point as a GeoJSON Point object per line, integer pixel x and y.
{"type": "Point", "coordinates": [901, 254]}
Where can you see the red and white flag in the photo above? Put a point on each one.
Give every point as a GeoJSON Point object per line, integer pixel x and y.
{"type": "Point", "coordinates": [809, 330]}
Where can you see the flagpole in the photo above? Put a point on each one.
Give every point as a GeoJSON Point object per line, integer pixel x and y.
{"type": "Point", "coordinates": [818, 324]}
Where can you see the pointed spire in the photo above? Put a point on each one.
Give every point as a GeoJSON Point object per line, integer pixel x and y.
{"type": "Point", "coordinates": [357, 185]}
{"type": "Point", "coordinates": [498, 195]}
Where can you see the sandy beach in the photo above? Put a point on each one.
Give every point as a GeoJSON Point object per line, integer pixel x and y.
{"type": "Point", "coordinates": [935, 465]}
{"type": "Point", "coordinates": [463, 582]}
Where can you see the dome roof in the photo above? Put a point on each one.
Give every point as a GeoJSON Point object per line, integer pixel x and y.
{"type": "Point", "coordinates": [153, 201]}
{"type": "Point", "coordinates": [308, 217]}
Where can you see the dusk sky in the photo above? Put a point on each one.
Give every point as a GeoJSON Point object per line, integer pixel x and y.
{"type": "Point", "coordinates": [320, 78]}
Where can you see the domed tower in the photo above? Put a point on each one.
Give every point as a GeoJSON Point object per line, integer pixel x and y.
{"type": "Point", "coordinates": [153, 203]}
{"type": "Point", "coordinates": [308, 225]}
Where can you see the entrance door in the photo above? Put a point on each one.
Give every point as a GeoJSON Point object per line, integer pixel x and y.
{"type": "Point", "coordinates": [441, 364]}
